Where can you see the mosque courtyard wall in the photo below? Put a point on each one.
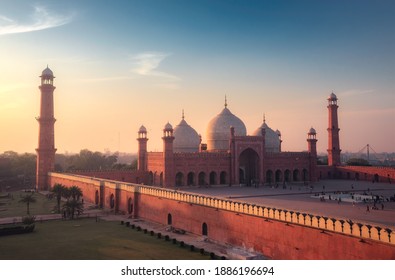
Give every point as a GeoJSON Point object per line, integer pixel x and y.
{"type": "Point", "coordinates": [276, 233]}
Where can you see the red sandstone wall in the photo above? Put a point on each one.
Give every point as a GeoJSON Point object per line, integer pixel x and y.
{"type": "Point", "coordinates": [365, 173]}
{"type": "Point", "coordinates": [274, 239]}
{"type": "Point", "coordinates": [88, 189]}
{"type": "Point", "coordinates": [130, 176]}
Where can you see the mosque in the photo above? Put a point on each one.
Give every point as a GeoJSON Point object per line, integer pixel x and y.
{"type": "Point", "coordinates": [230, 156]}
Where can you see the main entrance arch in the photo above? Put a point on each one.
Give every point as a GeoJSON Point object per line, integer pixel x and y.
{"type": "Point", "coordinates": [248, 167]}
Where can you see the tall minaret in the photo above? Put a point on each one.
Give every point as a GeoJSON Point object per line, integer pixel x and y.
{"type": "Point", "coordinates": [312, 148]}
{"type": "Point", "coordinates": [142, 159]}
{"type": "Point", "coordinates": [168, 156]}
{"type": "Point", "coordinates": [46, 135]}
{"type": "Point", "coordinates": [333, 132]}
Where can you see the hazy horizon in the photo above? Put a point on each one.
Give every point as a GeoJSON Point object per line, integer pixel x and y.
{"type": "Point", "coordinates": [124, 64]}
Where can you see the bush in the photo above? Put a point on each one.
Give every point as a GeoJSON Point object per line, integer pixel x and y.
{"type": "Point", "coordinates": [28, 220]}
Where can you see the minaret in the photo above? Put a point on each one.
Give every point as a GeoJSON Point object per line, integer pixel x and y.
{"type": "Point", "coordinates": [333, 132]}
{"type": "Point", "coordinates": [142, 139]}
{"type": "Point", "coordinates": [46, 136]}
{"type": "Point", "coordinates": [312, 148]}
{"type": "Point", "coordinates": [168, 156]}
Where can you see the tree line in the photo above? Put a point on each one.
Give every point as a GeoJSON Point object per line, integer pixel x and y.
{"type": "Point", "coordinates": [20, 169]}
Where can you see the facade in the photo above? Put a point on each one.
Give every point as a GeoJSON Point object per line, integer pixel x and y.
{"type": "Point", "coordinates": [229, 157]}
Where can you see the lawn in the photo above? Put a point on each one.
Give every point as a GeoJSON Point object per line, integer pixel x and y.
{"type": "Point", "coordinates": [11, 207]}
{"type": "Point", "coordinates": [86, 239]}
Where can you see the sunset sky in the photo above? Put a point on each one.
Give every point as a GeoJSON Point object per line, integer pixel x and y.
{"type": "Point", "coordinates": [122, 64]}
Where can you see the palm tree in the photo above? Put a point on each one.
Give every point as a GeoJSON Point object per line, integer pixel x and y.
{"type": "Point", "coordinates": [28, 199]}
{"type": "Point", "coordinates": [73, 207]}
{"type": "Point", "coordinates": [58, 190]}
{"type": "Point", "coordinates": [75, 192]}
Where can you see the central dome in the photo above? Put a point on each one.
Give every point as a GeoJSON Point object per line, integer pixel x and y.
{"type": "Point", "coordinates": [218, 130]}
{"type": "Point", "coordinates": [186, 139]}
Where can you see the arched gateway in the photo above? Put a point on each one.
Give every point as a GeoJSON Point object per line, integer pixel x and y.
{"type": "Point", "coordinates": [248, 167]}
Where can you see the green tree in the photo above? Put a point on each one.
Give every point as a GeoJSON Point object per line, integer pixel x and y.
{"type": "Point", "coordinates": [28, 199]}
{"type": "Point", "coordinates": [75, 193]}
{"type": "Point", "coordinates": [58, 190]}
{"type": "Point", "coordinates": [357, 162]}
{"type": "Point", "coordinates": [73, 207]}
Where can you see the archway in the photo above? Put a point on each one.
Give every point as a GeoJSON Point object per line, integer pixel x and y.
{"type": "Point", "coordinates": [241, 176]}
{"type": "Point", "coordinates": [287, 175]}
{"type": "Point", "coordinates": [222, 178]}
{"type": "Point", "coordinates": [169, 219]}
{"type": "Point", "coordinates": [278, 176]}
{"type": "Point", "coordinates": [161, 179]}
{"type": "Point", "coordinates": [249, 163]}
{"type": "Point", "coordinates": [305, 175]}
{"type": "Point", "coordinates": [112, 201]}
{"type": "Point", "coordinates": [191, 179]}
{"type": "Point", "coordinates": [179, 179]}
{"type": "Point", "coordinates": [151, 179]}
{"type": "Point", "coordinates": [202, 179]}
{"type": "Point", "coordinates": [97, 198]}
{"type": "Point", "coordinates": [269, 176]}
{"type": "Point", "coordinates": [204, 229]}
{"type": "Point", "coordinates": [213, 178]}
{"type": "Point", "coordinates": [295, 175]}
{"type": "Point", "coordinates": [130, 205]}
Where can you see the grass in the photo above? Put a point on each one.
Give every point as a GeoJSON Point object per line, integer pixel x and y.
{"type": "Point", "coordinates": [86, 239]}
{"type": "Point", "coordinates": [11, 207]}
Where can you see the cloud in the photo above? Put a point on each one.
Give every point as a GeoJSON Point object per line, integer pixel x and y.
{"type": "Point", "coordinates": [41, 19]}
{"type": "Point", "coordinates": [355, 92]}
{"type": "Point", "coordinates": [146, 64]}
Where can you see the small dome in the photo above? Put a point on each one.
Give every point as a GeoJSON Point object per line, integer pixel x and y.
{"type": "Point", "coordinates": [47, 72]}
{"type": "Point", "coordinates": [186, 139]}
{"type": "Point", "coordinates": [332, 96]}
{"type": "Point", "coordinates": [142, 129]}
{"type": "Point", "coordinates": [218, 130]}
{"type": "Point", "coordinates": [168, 126]}
{"type": "Point", "coordinates": [272, 140]}
{"type": "Point", "coordinates": [312, 131]}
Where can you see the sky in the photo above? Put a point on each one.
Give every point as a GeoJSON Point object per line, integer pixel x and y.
{"type": "Point", "coordinates": [122, 64]}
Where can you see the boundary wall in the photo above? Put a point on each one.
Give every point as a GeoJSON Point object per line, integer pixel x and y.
{"type": "Point", "coordinates": [276, 233]}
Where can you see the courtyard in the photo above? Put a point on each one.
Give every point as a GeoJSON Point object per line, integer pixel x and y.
{"type": "Point", "coordinates": [303, 198]}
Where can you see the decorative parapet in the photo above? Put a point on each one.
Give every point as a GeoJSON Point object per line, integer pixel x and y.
{"type": "Point", "coordinates": [323, 223]}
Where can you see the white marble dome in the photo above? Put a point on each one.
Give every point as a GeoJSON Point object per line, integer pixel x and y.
{"type": "Point", "coordinates": [272, 138]}
{"type": "Point", "coordinates": [218, 130]}
{"type": "Point", "coordinates": [186, 139]}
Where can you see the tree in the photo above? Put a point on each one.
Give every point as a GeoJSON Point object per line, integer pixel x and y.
{"type": "Point", "coordinates": [357, 162]}
{"type": "Point", "coordinates": [75, 193]}
{"type": "Point", "coordinates": [28, 199]}
{"type": "Point", "coordinates": [59, 191]}
{"type": "Point", "coordinates": [72, 207]}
